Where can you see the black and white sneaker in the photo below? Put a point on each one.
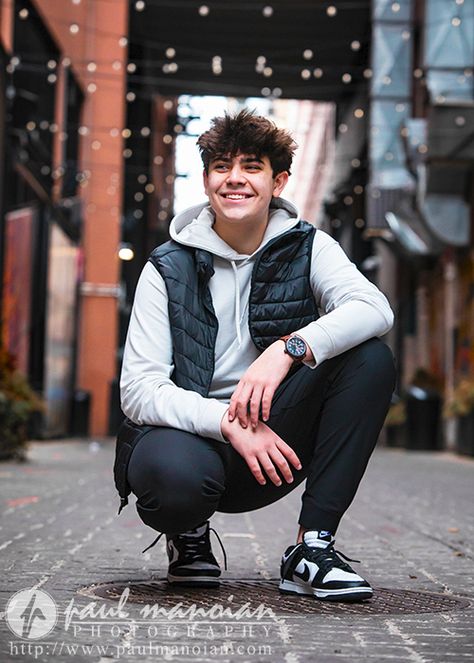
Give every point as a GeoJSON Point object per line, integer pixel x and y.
{"type": "Point", "coordinates": [191, 562]}
{"type": "Point", "coordinates": [314, 568]}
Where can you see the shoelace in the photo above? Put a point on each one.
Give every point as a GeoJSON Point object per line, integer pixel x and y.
{"type": "Point", "coordinates": [196, 545]}
{"type": "Point", "coordinates": [327, 558]}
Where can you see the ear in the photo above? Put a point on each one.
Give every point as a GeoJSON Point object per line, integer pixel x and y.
{"type": "Point", "coordinates": [205, 179]}
{"type": "Point", "coordinates": [279, 183]}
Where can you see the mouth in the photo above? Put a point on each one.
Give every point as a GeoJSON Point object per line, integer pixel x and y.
{"type": "Point", "coordinates": [236, 196]}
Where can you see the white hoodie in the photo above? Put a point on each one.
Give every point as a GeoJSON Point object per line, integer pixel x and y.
{"type": "Point", "coordinates": [352, 310]}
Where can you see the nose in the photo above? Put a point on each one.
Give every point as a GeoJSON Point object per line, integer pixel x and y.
{"type": "Point", "coordinates": [235, 175]}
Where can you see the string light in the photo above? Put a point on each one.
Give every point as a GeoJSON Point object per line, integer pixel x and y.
{"type": "Point", "coordinates": [91, 66]}
{"type": "Point", "coordinates": [267, 71]}
{"type": "Point", "coordinates": [305, 74]}
{"type": "Point", "coordinates": [346, 78]}
{"type": "Point", "coordinates": [116, 65]}
{"type": "Point", "coordinates": [318, 72]}
{"type": "Point", "coordinates": [308, 54]}
{"type": "Point", "coordinates": [355, 45]}
{"type": "Point", "coordinates": [139, 5]}
{"type": "Point", "coordinates": [203, 10]}
{"type": "Point", "coordinates": [23, 14]}
{"type": "Point", "coordinates": [395, 7]}
{"type": "Point", "coordinates": [267, 11]}
{"type": "Point", "coordinates": [126, 252]}
{"type": "Point", "coordinates": [142, 178]}
{"type": "Point", "coordinates": [331, 11]}
{"type": "Point", "coordinates": [358, 113]}
{"type": "Point", "coordinates": [74, 28]}
{"type": "Point", "coordinates": [123, 41]}
{"type": "Point", "coordinates": [456, 21]}
{"type": "Point", "coordinates": [170, 52]}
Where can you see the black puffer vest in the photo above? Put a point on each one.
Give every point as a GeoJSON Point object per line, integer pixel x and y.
{"type": "Point", "coordinates": [281, 300]}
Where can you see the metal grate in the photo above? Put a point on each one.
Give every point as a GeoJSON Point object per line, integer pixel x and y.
{"type": "Point", "coordinates": [254, 592]}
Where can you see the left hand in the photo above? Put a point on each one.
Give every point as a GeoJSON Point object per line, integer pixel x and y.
{"type": "Point", "coordinates": [258, 385]}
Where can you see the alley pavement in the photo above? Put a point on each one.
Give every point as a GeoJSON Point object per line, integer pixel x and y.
{"type": "Point", "coordinates": [411, 525]}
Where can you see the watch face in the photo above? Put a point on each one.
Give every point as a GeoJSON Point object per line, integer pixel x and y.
{"type": "Point", "coordinates": [296, 347]}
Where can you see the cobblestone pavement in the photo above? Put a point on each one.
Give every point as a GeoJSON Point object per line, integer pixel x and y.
{"type": "Point", "coordinates": [412, 525]}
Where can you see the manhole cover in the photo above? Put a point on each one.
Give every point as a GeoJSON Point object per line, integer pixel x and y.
{"type": "Point", "coordinates": [255, 592]}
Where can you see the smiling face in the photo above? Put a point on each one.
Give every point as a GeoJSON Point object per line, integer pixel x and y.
{"type": "Point", "coordinates": [240, 190]}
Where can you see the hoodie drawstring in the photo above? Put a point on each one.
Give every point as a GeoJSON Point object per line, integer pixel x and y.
{"type": "Point", "coordinates": [237, 303]}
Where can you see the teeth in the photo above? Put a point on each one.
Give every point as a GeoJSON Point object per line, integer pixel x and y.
{"type": "Point", "coordinates": [235, 196]}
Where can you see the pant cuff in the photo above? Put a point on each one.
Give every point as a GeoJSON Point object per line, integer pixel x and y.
{"type": "Point", "coordinates": [315, 518]}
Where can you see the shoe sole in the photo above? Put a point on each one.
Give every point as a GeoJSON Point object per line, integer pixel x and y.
{"type": "Point", "coordinates": [350, 594]}
{"type": "Point", "coordinates": [193, 581]}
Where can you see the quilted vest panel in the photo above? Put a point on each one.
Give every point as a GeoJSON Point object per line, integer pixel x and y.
{"type": "Point", "coordinates": [281, 300]}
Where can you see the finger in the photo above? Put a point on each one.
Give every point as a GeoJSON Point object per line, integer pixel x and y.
{"type": "Point", "coordinates": [267, 402]}
{"type": "Point", "coordinates": [233, 401]}
{"type": "Point", "coordinates": [269, 468]}
{"type": "Point", "coordinates": [241, 411]}
{"type": "Point", "coordinates": [255, 406]}
{"type": "Point", "coordinates": [280, 461]}
{"type": "Point", "coordinates": [289, 454]}
{"type": "Point", "coordinates": [256, 470]}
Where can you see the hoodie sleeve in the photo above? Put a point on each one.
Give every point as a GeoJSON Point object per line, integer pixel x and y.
{"type": "Point", "coordinates": [354, 309]}
{"type": "Point", "coordinates": [148, 395]}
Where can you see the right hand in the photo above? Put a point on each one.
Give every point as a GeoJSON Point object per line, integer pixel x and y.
{"type": "Point", "coordinates": [262, 449]}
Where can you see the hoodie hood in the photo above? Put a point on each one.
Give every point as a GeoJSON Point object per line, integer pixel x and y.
{"type": "Point", "coordinates": [194, 227]}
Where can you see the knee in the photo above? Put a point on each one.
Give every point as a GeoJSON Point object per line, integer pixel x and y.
{"type": "Point", "coordinates": [376, 360]}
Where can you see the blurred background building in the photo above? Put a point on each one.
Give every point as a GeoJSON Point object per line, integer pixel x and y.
{"type": "Point", "coordinates": [102, 103]}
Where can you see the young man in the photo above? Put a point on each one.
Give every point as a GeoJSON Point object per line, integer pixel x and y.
{"type": "Point", "coordinates": [252, 362]}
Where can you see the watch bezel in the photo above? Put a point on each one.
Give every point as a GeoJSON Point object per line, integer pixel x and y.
{"type": "Point", "coordinates": [296, 353]}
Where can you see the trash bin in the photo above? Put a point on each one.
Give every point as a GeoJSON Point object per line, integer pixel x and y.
{"type": "Point", "coordinates": [423, 410]}
{"type": "Point", "coordinates": [80, 412]}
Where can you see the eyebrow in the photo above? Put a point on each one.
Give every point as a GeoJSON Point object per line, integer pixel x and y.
{"type": "Point", "coordinates": [248, 159]}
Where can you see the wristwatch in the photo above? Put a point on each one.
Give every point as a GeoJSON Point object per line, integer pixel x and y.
{"type": "Point", "coordinates": [295, 347]}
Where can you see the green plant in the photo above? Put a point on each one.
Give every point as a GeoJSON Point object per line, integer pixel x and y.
{"type": "Point", "coordinates": [17, 404]}
{"type": "Point", "coordinates": [461, 402]}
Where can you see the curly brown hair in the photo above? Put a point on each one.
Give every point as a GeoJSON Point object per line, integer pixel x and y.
{"type": "Point", "coordinates": [247, 133]}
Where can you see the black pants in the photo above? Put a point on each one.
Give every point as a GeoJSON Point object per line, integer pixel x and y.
{"type": "Point", "coordinates": [331, 416]}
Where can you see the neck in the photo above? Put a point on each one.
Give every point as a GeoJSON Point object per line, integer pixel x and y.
{"type": "Point", "coordinates": [244, 239]}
